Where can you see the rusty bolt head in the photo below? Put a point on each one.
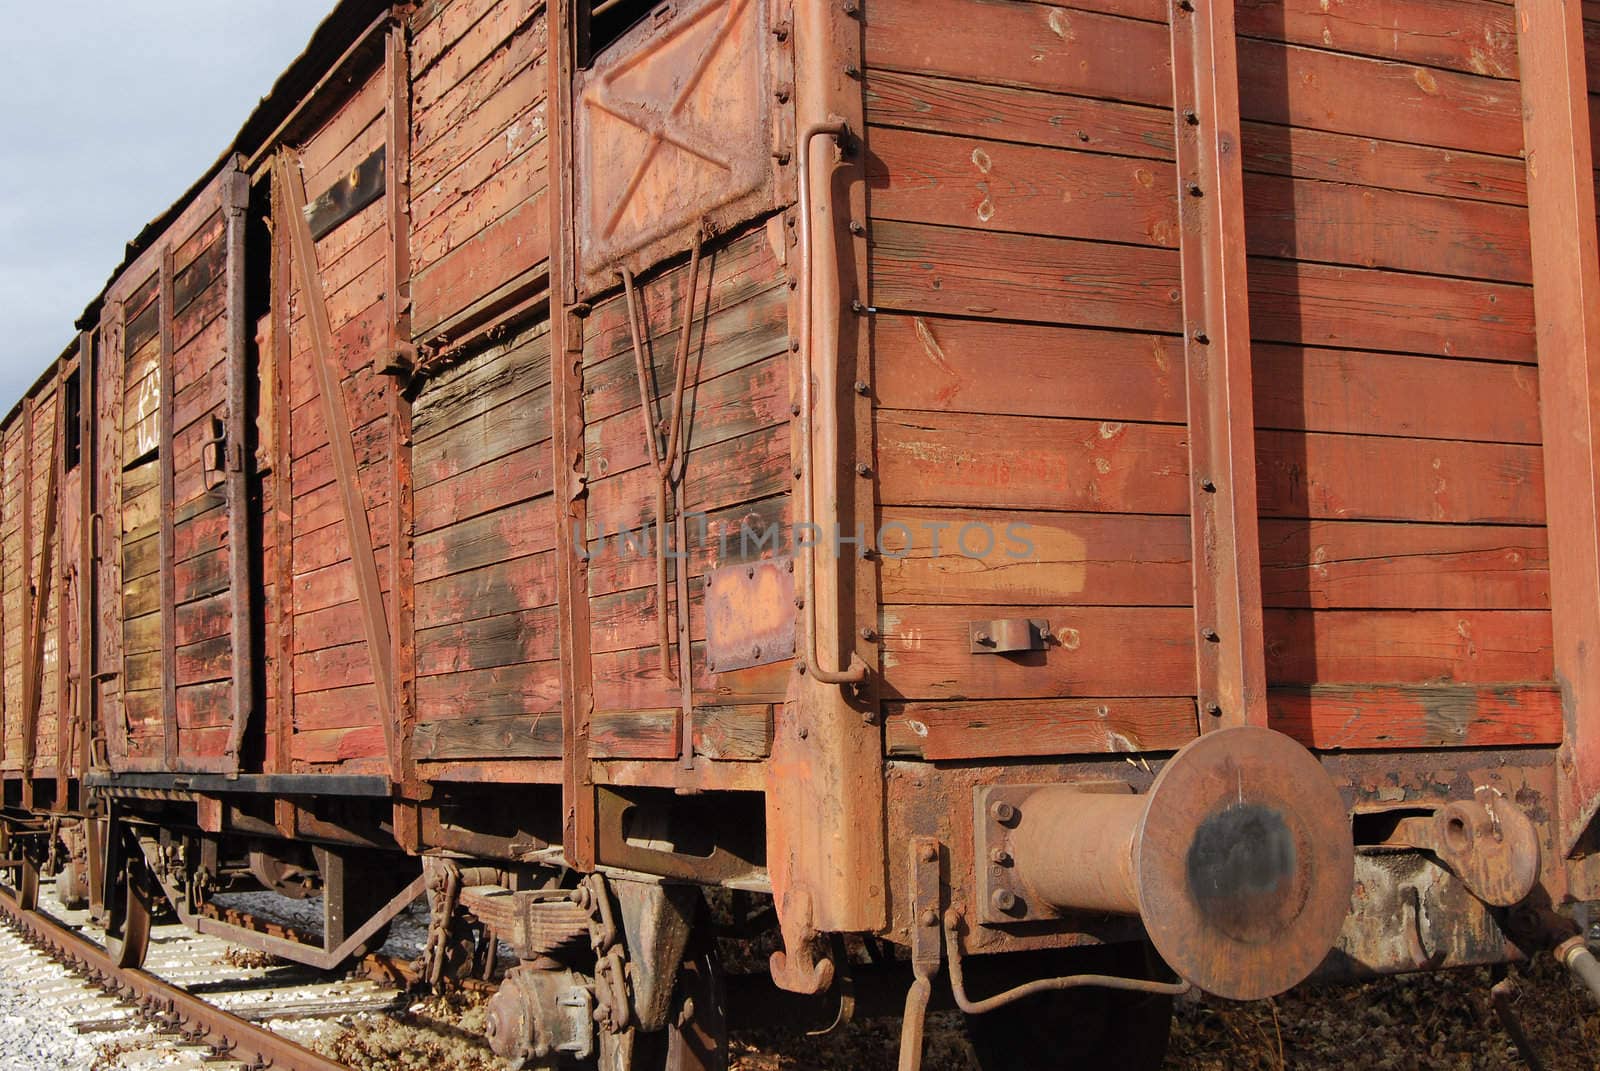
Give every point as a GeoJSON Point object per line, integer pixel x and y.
{"type": "Point", "coordinates": [856, 227]}
{"type": "Point", "coordinates": [861, 386]}
{"type": "Point", "coordinates": [1211, 635]}
{"type": "Point", "coordinates": [1194, 189]}
{"type": "Point", "coordinates": [852, 8]}
{"type": "Point", "coordinates": [929, 918]}
{"type": "Point", "coordinates": [1201, 337]}
{"type": "Point", "coordinates": [1208, 485]}
{"type": "Point", "coordinates": [863, 469]}
{"type": "Point", "coordinates": [869, 634]}
{"type": "Point", "coordinates": [755, 652]}
{"type": "Point", "coordinates": [1000, 857]}
{"type": "Point", "coordinates": [1004, 900]}
{"type": "Point", "coordinates": [852, 71]}
{"type": "Point", "coordinates": [1215, 710]}
{"type": "Point", "coordinates": [750, 573]}
{"type": "Point", "coordinates": [782, 156]}
{"type": "Point", "coordinates": [929, 853]}
{"type": "Point", "coordinates": [802, 732]}
{"type": "Point", "coordinates": [1002, 812]}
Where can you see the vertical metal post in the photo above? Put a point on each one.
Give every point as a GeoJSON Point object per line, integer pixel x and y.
{"type": "Point", "coordinates": [238, 463]}
{"type": "Point", "coordinates": [28, 654]}
{"type": "Point", "coordinates": [1566, 301]}
{"type": "Point", "coordinates": [280, 754]}
{"type": "Point", "coordinates": [169, 582]}
{"type": "Point", "coordinates": [88, 571]}
{"type": "Point", "coordinates": [826, 846]}
{"type": "Point", "coordinates": [566, 349]}
{"type": "Point", "coordinates": [397, 201]}
{"type": "Point", "coordinates": [1229, 648]}
{"type": "Point", "coordinates": [62, 556]}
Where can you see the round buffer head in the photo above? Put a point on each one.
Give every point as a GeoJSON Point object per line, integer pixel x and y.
{"type": "Point", "coordinates": [1244, 863]}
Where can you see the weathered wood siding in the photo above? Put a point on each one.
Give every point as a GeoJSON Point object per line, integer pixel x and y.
{"type": "Point", "coordinates": [337, 714]}
{"type": "Point", "coordinates": [736, 426]}
{"type": "Point", "coordinates": [140, 738]}
{"type": "Point", "coordinates": [203, 598]}
{"type": "Point", "coordinates": [1029, 369]}
{"type": "Point", "coordinates": [31, 454]}
{"type": "Point", "coordinates": [1403, 551]}
{"type": "Point", "coordinates": [488, 670]}
{"type": "Point", "coordinates": [478, 156]}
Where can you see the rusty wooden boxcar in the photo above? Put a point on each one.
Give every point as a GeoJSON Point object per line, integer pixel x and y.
{"type": "Point", "coordinates": [1016, 486]}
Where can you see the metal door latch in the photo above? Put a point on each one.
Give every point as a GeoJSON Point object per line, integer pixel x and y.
{"type": "Point", "coordinates": [1009, 635]}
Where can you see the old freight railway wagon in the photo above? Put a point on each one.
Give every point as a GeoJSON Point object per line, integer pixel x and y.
{"type": "Point", "coordinates": [1007, 490]}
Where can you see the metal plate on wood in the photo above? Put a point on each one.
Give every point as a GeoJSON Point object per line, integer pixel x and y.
{"type": "Point", "coordinates": [672, 125]}
{"type": "Point", "coordinates": [750, 614]}
{"type": "Point", "coordinates": [1008, 635]}
{"type": "Point", "coordinates": [355, 191]}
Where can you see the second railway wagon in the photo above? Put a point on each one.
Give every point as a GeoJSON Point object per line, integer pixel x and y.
{"type": "Point", "coordinates": [961, 493]}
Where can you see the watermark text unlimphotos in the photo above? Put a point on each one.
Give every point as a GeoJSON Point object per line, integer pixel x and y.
{"type": "Point", "coordinates": [749, 539]}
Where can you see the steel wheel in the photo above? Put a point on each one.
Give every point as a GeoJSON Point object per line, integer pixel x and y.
{"type": "Point", "coordinates": [28, 884]}
{"type": "Point", "coordinates": [128, 921]}
{"type": "Point", "coordinates": [699, 1040]}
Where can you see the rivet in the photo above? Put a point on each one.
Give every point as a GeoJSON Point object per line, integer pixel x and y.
{"type": "Point", "coordinates": [861, 386]}
{"type": "Point", "coordinates": [863, 469]}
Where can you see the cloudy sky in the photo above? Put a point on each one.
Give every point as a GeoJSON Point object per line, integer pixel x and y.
{"type": "Point", "coordinates": [109, 112]}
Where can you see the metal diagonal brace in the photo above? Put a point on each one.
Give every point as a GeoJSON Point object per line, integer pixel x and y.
{"type": "Point", "coordinates": [374, 615]}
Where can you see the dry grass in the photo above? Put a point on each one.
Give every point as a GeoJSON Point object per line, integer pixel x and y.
{"type": "Point", "coordinates": [1440, 1022]}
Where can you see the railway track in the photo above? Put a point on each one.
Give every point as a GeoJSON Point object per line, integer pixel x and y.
{"type": "Point", "coordinates": [190, 1007]}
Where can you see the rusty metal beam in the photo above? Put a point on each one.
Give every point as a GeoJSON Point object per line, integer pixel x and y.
{"type": "Point", "coordinates": [40, 609]}
{"type": "Point", "coordinates": [88, 573]}
{"type": "Point", "coordinates": [397, 208]}
{"type": "Point", "coordinates": [241, 551]}
{"type": "Point", "coordinates": [374, 614]}
{"type": "Point", "coordinates": [28, 617]}
{"type": "Point", "coordinates": [1230, 656]}
{"type": "Point", "coordinates": [566, 349]}
{"type": "Point", "coordinates": [1566, 299]}
{"type": "Point", "coordinates": [826, 841]}
{"type": "Point", "coordinates": [282, 728]}
{"type": "Point", "coordinates": [169, 576]}
{"type": "Point", "coordinates": [63, 561]}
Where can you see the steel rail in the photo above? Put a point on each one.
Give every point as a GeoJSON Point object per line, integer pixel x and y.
{"type": "Point", "coordinates": [227, 1033]}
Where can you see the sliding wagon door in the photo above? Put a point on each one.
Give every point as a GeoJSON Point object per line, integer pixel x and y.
{"type": "Point", "coordinates": [176, 622]}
